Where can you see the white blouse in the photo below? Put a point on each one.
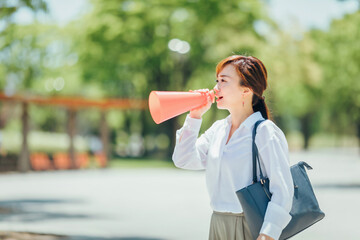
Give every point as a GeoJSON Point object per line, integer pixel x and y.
{"type": "Point", "coordinates": [229, 166]}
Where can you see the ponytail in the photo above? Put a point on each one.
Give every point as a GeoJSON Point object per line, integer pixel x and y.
{"type": "Point", "coordinates": [259, 105]}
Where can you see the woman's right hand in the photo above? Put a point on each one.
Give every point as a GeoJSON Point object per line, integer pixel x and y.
{"type": "Point", "coordinates": [198, 112]}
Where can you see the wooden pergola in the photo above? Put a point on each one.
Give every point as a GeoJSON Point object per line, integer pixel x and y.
{"type": "Point", "coordinates": [72, 104]}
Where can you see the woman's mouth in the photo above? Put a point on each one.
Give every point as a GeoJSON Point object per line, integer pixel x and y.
{"type": "Point", "coordinates": [219, 98]}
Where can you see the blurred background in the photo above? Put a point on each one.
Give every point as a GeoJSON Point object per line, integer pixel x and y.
{"type": "Point", "coordinates": [75, 76]}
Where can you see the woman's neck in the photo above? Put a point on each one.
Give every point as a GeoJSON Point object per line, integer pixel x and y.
{"type": "Point", "coordinates": [238, 117]}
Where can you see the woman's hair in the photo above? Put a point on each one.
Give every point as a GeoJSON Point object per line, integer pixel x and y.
{"type": "Point", "coordinates": [253, 75]}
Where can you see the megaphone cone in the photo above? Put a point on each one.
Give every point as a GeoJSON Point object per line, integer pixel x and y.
{"type": "Point", "coordinates": [164, 105]}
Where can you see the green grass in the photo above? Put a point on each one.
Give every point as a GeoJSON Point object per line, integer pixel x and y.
{"type": "Point", "coordinates": [140, 163]}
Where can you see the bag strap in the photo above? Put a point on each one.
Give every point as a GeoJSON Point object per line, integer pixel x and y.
{"type": "Point", "coordinates": [255, 154]}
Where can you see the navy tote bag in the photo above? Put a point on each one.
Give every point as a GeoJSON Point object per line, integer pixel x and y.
{"type": "Point", "coordinates": [254, 199]}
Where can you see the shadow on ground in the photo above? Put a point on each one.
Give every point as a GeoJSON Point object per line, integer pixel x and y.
{"type": "Point", "coordinates": [345, 186]}
{"type": "Point", "coordinates": [111, 238]}
{"type": "Point", "coordinates": [39, 236]}
{"type": "Point", "coordinates": [30, 210]}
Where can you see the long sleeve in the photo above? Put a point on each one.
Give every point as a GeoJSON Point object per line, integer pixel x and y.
{"type": "Point", "coordinates": [273, 151]}
{"type": "Point", "coordinates": [190, 151]}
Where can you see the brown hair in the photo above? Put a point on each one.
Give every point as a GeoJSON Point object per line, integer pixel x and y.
{"type": "Point", "coordinates": [253, 75]}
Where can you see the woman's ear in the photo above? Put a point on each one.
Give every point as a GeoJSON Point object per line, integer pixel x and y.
{"type": "Point", "coordinates": [247, 91]}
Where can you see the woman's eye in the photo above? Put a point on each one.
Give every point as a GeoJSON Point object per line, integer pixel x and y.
{"type": "Point", "coordinates": [221, 80]}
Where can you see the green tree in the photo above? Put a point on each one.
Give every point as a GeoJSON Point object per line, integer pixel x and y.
{"type": "Point", "coordinates": [19, 49]}
{"type": "Point", "coordinates": [295, 84]}
{"type": "Point", "coordinates": [16, 68]}
{"type": "Point", "coordinates": [38, 59]}
{"type": "Point", "coordinates": [337, 50]}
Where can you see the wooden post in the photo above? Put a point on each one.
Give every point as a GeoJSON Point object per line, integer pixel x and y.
{"type": "Point", "coordinates": [71, 132]}
{"type": "Point", "coordinates": [24, 163]}
{"type": "Point", "coordinates": [104, 134]}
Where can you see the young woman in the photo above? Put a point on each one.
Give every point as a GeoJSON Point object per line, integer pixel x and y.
{"type": "Point", "coordinates": [225, 152]}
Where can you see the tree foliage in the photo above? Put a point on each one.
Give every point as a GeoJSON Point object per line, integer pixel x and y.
{"type": "Point", "coordinates": [19, 50]}
{"type": "Point", "coordinates": [295, 84]}
{"type": "Point", "coordinates": [126, 47]}
{"type": "Point", "coordinates": [338, 52]}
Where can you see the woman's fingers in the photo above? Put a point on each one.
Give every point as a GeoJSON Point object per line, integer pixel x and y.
{"type": "Point", "coordinates": [199, 111]}
{"type": "Point", "coordinates": [204, 90]}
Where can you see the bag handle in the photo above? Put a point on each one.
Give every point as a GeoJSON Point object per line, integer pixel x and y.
{"type": "Point", "coordinates": [255, 154]}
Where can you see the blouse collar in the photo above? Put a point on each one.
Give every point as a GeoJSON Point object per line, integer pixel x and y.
{"type": "Point", "coordinates": [250, 121]}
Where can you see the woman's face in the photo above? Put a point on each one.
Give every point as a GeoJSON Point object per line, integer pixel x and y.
{"type": "Point", "coordinates": [229, 91]}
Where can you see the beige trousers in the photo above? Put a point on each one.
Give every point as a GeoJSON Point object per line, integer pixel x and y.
{"type": "Point", "coordinates": [229, 226]}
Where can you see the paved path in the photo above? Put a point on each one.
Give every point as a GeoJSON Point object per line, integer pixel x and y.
{"type": "Point", "coordinates": [159, 204]}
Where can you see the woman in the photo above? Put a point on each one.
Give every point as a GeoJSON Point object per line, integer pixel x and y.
{"type": "Point", "coordinates": [224, 150]}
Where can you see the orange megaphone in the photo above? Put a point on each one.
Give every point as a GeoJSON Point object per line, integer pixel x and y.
{"type": "Point", "coordinates": [164, 105]}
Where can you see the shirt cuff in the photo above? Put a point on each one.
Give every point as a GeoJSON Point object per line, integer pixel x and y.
{"type": "Point", "coordinates": [276, 219]}
{"type": "Point", "coordinates": [193, 124]}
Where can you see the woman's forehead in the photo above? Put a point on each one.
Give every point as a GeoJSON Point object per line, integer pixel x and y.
{"type": "Point", "coordinates": [228, 71]}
